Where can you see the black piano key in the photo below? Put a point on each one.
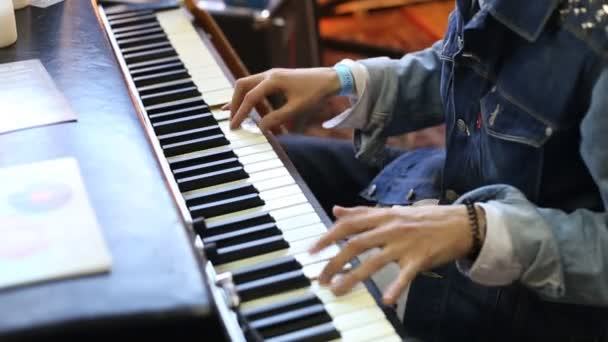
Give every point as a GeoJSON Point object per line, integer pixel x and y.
{"type": "Point", "coordinates": [291, 321]}
{"type": "Point", "coordinates": [173, 106]}
{"type": "Point", "coordinates": [227, 206]}
{"type": "Point", "coordinates": [131, 32]}
{"type": "Point", "coordinates": [162, 87]}
{"type": "Point", "coordinates": [320, 333]}
{"type": "Point", "coordinates": [182, 113]}
{"type": "Point", "coordinates": [243, 235]}
{"type": "Point", "coordinates": [282, 306]}
{"type": "Point", "coordinates": [212, 178]}
{"type": "Point", "coordinates": [181, 124]}
{"type": "Point", "coordinates": [201, 158]}
{"type": "Point", "coordinates": [161, 77]}
{"type": "Point", "coordinates": [247, 250]}
{"type": "Point", "coordinates": [190, 134]}
{"type": "Point", "coordinates": [149, 55]}
{"type": "Point", "coordinates": [239, 222]}
{"type": "Point", "coordinates": [264, 269]}
{"type": "Point", "coordinates": [128, 14]}
{"type": "Point", "coordinates": [146, 47]}
{"type": "Point", "coordinates": [163, 67]}
{"type": "Point", "coordinates": [135, 67]}
{"type": "Point", "coordinates": [271, 285]}
{"type": "Point", "coordinates": [132, 21]}
{"type": "Point", "coordinates": [194, 145]}
{"type": "Point", "coordinates": [261, 220]}
{"type": "Point", "coordinates": [206, 168]}
{"type": "Point", "coordinates": [170, 95]}
{"type": "Point", "coordinates": [142, 40]}
{"type": "Point", "coordinates": [219, 194]}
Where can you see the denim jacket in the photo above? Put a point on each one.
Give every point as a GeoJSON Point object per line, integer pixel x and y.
{"type": "Point", "coordinates": [522, 87]}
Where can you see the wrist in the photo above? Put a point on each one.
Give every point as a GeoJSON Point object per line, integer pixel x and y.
{"type": "Point", "coordinates": [333, 85]}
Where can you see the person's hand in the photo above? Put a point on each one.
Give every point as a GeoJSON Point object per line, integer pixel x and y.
{"type": "Point", "coordinates": [418, 238]}
{"type": "Point", "coordinates": [303, 90]}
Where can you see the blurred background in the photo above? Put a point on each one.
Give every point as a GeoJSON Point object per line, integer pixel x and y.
{"type": "Point", "coordinates": [308, 33]}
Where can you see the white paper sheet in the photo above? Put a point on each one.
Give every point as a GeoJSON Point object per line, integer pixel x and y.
{"type": "Point", "coordinates": [29, 97]}
{"type": "Point", "coordinates": [48, 229]}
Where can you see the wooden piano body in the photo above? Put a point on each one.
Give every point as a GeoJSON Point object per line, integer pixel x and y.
{"type": "Point", "coordinates": [163, 281]}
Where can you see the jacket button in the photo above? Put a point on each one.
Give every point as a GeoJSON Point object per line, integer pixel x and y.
{"type": "Point", "coordinates": [451, 195]}
{"type": "Point", "coordinates": [462, 126]}
{"type": "Point", "coordinates": [548, 131]}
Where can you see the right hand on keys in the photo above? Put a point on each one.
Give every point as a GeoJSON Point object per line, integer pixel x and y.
{"type": "Point", "coordinates": [303, 90]}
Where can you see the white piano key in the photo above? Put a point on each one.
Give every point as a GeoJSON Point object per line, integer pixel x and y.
{"type": "Point", "coordinates": [353, 320]}
{"type": "Point", "coordinates": [210, 82]}
{"type": "Point", "coordinates": [275, 183]}
{"type": "Point", "coordinates": [285, 202]}
{"type": "Point", "coordinates": [292, 211]}
{"type": "Point", "coordinates": [268, 174]}
{"type": "Point", "coordinates": [237, 134]}
{"type": "Point", "coordinates": [298, 221]}
{"type": "Point", "coordinates": [173, 20]}
{"type": "Point", "coordinates": [306, 258]}
{"type": "Point", "coordinates": [220, 115]}
{"type": "Point", "coordinates": [280, 192]}
{"type": "Point", "coordinates": [249, 150]}
{"type": "Point", "coordinates": [349, 303]}
{"type": "Point", "coordinates": [218, 97]}
{"type": "Point", "coordinates": [371, 331]}
{"type": "Point", "coordinates": [313, 271]}
{"type": "Point", "coordinates": [304, 232]}
{"type": "Point", "coordinates": [202, 70]}
{"type": "Point", "coordinates": [247, 142]}
{"type": "Point", "coordinates": [258, 157]}
{"type": "Point", "coordinates": [265, 165]}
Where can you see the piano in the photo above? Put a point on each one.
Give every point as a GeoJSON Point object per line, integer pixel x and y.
{"type": "Point", "coordinates": [208, 226]}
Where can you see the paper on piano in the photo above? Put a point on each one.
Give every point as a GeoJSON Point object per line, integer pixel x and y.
{"type": "Point", "coordinates": [29, 97]}
{"type": "Point", "coordinates": [48, 229]}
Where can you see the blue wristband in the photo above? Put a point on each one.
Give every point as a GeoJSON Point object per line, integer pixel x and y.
{"type": "Point", "coordinates": [347, 82]}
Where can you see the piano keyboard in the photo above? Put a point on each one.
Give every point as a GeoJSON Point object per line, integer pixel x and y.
{"type": "Point", "coordinates": [251, 218]}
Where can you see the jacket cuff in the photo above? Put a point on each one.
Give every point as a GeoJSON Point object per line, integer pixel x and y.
{"type": "Point", "coordinates": [496, 264]}
{"type": "Point", "coordinates": [356, 116]}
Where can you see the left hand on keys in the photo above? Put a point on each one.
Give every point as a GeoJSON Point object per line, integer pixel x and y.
{"type": "Point", "coordinates": [418, 238]}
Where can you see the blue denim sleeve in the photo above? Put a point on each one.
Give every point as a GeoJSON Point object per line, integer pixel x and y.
{"type": "Point", "coordinates": [564, 257]}
{"type": "Point", "coordinates": [404, 96]}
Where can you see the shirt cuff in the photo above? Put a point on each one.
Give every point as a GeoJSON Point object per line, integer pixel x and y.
{"type": "Point", "coordinates": [496, 264]}
{"type": "Point", "coordinates": [351, 118]}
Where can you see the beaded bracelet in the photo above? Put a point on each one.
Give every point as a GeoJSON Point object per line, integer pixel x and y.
{"type": "Point", "coordinates": [473, 220]}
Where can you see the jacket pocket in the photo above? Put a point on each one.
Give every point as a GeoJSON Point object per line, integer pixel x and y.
{"type": "Point", "coordinates": [508, 121]}
{"type": "Point", "coordinates": [511, 144]}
